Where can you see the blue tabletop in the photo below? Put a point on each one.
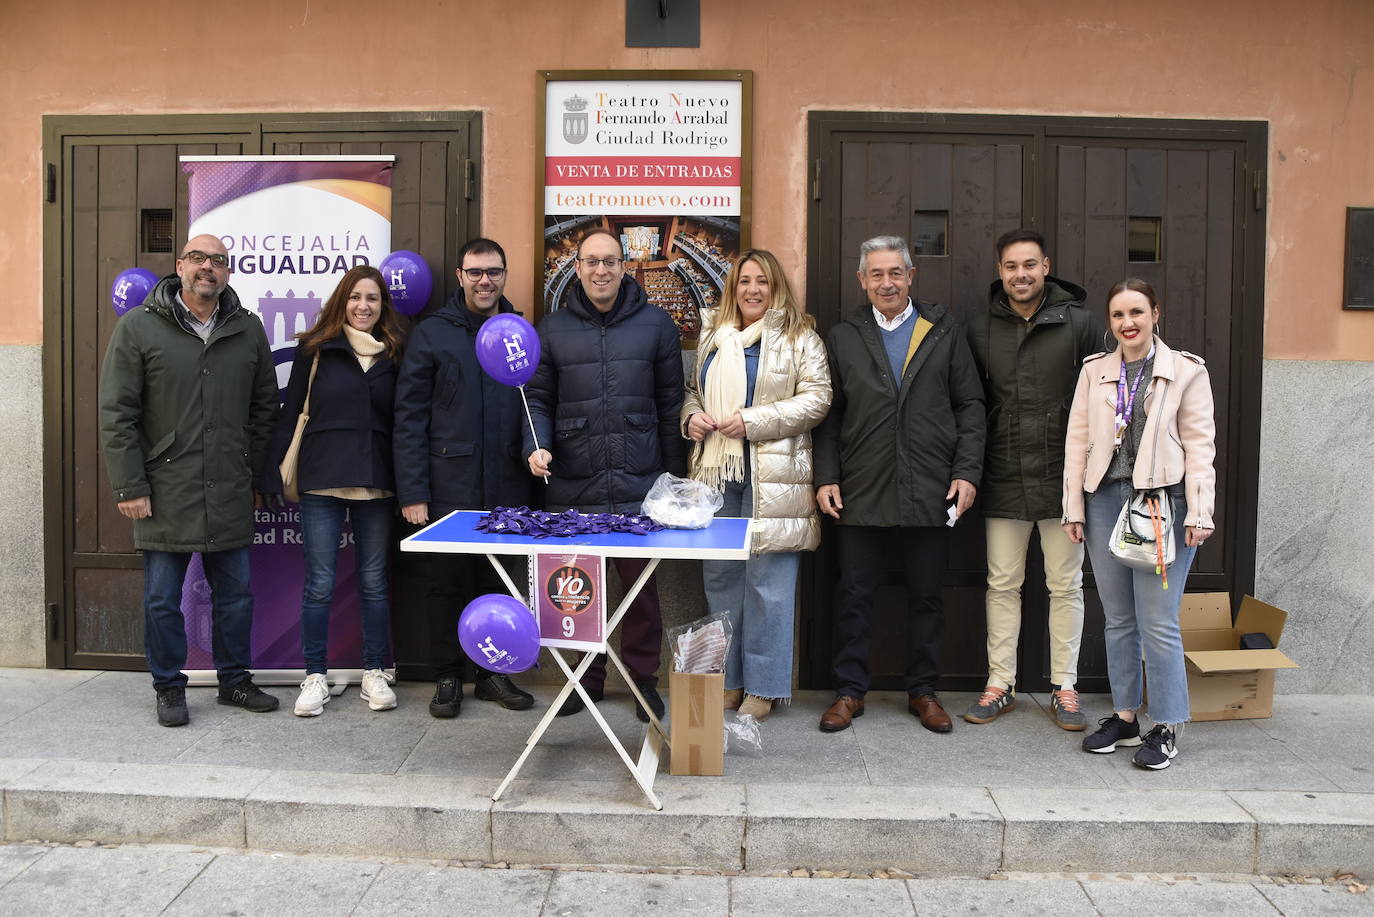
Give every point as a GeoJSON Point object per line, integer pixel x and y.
{"type": "Point", "coordinates": [726, 538]}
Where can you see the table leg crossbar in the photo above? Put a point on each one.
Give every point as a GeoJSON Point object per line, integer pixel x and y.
{"type": "Point", "coordinates": [646, 768]}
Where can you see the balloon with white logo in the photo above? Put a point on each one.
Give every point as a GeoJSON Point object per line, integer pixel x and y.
{"type": "Point", "coordinates": [508, 350]}
{"type": "Point", "coordinates": [408, 279]}
{"type": "Point", "coordinates": [499, 633]}
{"type": "Point", "coordinates": [130, 288]}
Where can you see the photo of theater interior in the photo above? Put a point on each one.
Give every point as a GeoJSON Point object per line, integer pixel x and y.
{"type": "Point", "coordinates": [680, 261]}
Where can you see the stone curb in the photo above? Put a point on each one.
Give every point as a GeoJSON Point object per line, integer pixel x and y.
{"type": "Point", "coordinates": [945, 831]}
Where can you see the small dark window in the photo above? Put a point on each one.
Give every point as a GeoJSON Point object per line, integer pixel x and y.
{"type": "Point", "coordinates": [156, 231]}
{"type": "Point", "coordinates": [931, 230]}
{"type": "Point", "coordinates": [1144, 239]}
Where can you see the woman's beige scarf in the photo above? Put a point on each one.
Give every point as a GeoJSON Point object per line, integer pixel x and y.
{"type": "Point", "coordinates": [365, 346]}
{"type": "Point", "coordinates": [723, 395]}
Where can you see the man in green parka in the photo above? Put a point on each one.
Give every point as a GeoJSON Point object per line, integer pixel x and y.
{"type": "Point", "coordinates": [188, 397]}
{"type": "Point", "coordinates": [1029, 347]}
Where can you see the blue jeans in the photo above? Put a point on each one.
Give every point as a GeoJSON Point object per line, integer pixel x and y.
{"type": "Point", "coordinates": [322, 520]}
{"type": "Point", "coordinates": [1139, 612]}
{"type": "Point", "coordinates": [758, 596]}
{"type": "Point", "coordinates": [164, 626]}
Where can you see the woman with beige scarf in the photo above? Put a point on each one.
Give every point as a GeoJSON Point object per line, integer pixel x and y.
{"type": "Point", "coordinates": [343, 383]}
{"type": "Point", "coordinates": [761, 384]}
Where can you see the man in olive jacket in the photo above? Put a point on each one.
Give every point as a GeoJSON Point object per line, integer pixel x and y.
{"type": "Point", "coordinates": [1029, 346]}
{"type": "Point", "coordinates": [188, 398]}
{"type": "Point", "coordinates": [902, 444]}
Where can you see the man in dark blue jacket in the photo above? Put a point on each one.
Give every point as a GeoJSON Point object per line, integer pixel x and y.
{"type": "Point", "coordinates": [605, 402]}
{"type": "Point", "coordinates": [457, 446]}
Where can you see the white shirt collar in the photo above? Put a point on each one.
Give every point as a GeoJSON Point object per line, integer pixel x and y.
{"type": "Point", "coordinates": [895, 323]}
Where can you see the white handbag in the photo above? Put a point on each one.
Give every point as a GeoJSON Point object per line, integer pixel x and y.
{"type": "Point", "coordinates": [1143, 537]}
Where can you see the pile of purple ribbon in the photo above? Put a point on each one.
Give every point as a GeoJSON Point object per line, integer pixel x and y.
{"type": "Point", "coordinates": [538, 523]}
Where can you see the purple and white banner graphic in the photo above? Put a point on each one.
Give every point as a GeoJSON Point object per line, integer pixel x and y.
{"type": "Point", "coordinates": [293, 225]}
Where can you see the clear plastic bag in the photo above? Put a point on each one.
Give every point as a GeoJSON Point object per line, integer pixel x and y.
{"type": "Point", "coordinates": [742, 735]}
{"type": "Point", "coordinates": [700, 646]}
{"type": "Point", "coordinates": [681, 503]}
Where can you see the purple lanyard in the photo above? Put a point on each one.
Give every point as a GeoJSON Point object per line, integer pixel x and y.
{"type": "Point", "coordinates": [1125, 401]}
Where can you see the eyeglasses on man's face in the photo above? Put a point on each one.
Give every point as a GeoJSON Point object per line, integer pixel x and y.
{"type": "Point", "coordinates": [610, 263]}
{"type": "Point", "coordinates": [197, 257]}
{"type": "Point", "coordinates": [475, 273]}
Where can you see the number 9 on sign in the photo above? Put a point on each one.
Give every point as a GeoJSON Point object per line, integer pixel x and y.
{"type": "Point", "coordinates": [569, 626]}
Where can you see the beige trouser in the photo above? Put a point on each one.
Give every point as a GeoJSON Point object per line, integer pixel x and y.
{"type": "Point", "coordinates": [1007, 543]}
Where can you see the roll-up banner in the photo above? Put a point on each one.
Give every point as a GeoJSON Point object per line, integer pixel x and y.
{"type": "Point", "coordinates": [293, 225]}
{"type": "Point", "coordinates": [659, 158]}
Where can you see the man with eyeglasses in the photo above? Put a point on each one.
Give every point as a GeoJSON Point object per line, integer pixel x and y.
{"type": "Point", "coordinates": [456, 443]}
{"type": "Point", "coordinates": [188, 399]}
{"type": "Point", "coordinates": [605, 403]}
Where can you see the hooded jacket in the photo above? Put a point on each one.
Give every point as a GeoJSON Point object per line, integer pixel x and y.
{"type": "Point", "coordinates": [606, 400]}
{"type": "Point", "coordinates": [186, 422]}
{"type": "Point", "coordinates": [1029, 369]}
{"type": "Point", "coordinates": [457, 434]}
{"type": "Point", "coordinates": [895, 446]}
{"type": "Point", "coordinates": [791, 395]}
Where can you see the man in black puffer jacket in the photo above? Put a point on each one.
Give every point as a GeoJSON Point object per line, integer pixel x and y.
{"type": "Point", "coordinates": [457, 446]}
{"type": "Point", "coordinates": [605, 403]}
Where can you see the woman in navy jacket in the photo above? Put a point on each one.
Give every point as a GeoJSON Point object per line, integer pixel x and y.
{"type": "Point", "coordinates": [344, 469]}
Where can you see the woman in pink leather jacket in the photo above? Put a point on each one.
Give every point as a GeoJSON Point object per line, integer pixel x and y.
{"type": "Point", "coordinates": [1142, 418]}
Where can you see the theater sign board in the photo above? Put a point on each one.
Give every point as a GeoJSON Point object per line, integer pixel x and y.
{"type": "Point", "coordinates": [659, 158]}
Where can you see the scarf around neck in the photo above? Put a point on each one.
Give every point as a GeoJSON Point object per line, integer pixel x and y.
{"type": "Point", "coordinates": [723, 395]}
{"type": "Point", "coordinates": [365, 346]}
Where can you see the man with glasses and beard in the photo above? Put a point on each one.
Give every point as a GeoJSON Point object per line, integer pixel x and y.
{"type": "Point", "coordinates": [456, 445]}
{"type": "Point", "coordinates": [188, 398]}
{"type": "Point", "coordinates": [605, 402]}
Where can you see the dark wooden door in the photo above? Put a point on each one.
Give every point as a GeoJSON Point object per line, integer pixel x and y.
{"type": "Point", "coordinates": [118, 200]}
{"type": "Point", "coordinates": [1164, 201]}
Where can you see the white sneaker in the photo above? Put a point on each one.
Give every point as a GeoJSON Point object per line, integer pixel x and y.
{"type": "Point", "coordinates": [314, 695]}
{"type": "Point", "coordinates": [377, 691]}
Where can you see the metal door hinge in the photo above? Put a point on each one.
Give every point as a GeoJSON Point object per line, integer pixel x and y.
{"type": "Point", "coordinates": [1261, 192]}
{"type": "Point", "coordinates": [54, 623]}
{"type": "Point", "coordinates": [50, 183]}
{"type": "Point", "coordinates": [469, 179]}
{"type": "Point", "coordinates": [816, 180]}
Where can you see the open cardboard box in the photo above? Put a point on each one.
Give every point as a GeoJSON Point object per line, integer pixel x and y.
{"type": "Point", "coordinates": [1224, 681]}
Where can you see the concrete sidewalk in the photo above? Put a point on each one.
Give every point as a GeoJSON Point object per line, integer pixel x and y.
{"type": "Point", "coordinates": [38, 880]}
{"type": "Point", "coordinates": [82, 758]}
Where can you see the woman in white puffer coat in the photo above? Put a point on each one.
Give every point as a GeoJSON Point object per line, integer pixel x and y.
{"type": "Point", "coordinates": [760, 385]}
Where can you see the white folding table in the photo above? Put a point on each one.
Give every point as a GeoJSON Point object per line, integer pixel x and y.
{"type": "Point", "coordinates": [727, 538]}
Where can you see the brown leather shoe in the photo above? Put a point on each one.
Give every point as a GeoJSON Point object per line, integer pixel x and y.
{"type": "Point", "coordinates": [933, 716]}
{"type": "Point", "coordinates": [841, 713]}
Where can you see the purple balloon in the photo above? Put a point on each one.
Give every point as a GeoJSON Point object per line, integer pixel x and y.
{"type": "Point", "coordinates": [409, 280]}
{"type": "Point", "coordinates": [499, 633]}
{"type": "Point", "coordinates": [130, 288]}
{"type": "Point", "coordinates": [508, 348]}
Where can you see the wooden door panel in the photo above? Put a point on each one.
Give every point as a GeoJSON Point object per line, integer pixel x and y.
{"type": "Point", "coordinates": [1089, 183]}
{"type": "Point", "coordinates": [114, 169]}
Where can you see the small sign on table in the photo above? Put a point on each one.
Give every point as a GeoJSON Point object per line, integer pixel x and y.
{"type": "Point", "coordinates": [569, 595]}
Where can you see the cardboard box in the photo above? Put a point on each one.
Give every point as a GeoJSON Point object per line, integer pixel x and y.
{"type": "Point", "coordinates": [1224, 681]}
{"type": "Point", "coordinates": [696, 706]}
